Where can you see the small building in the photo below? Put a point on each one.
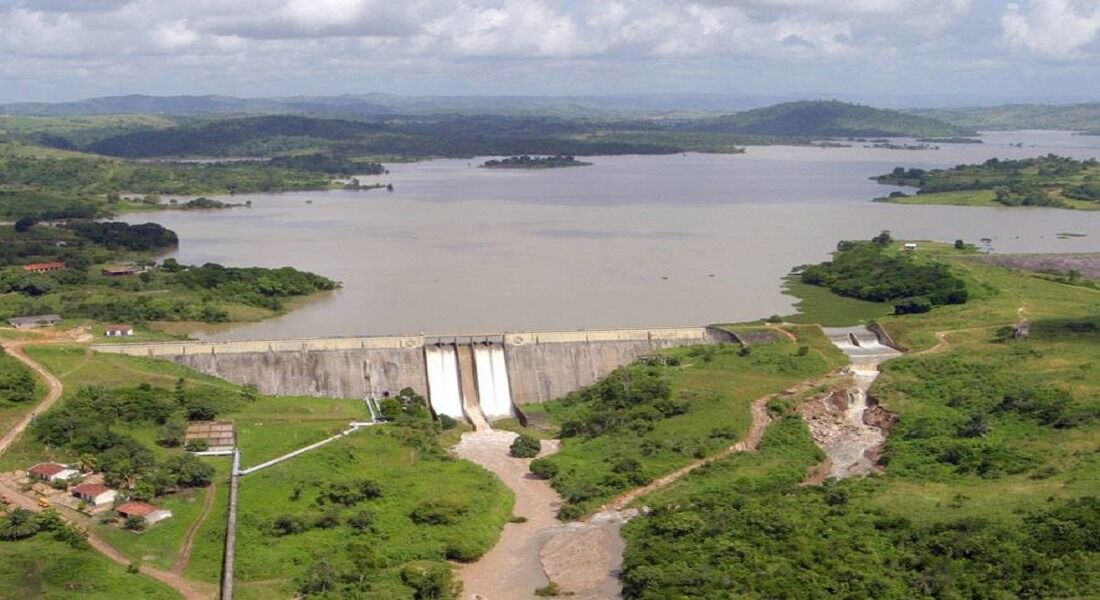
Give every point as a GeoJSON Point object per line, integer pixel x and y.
{"type": "Point", "coordinates": [909, 247]}
{"type": "Point", "coordinates": [51, 472]}
{"type": "Point", "coordinates": [151, 514]}
{"type": "Point", "coordinates": [118, 271]}
{"type": "Point", "coordinates": [119, 330]}
{"type": "Point", "coordinates": [45, 267]}
{"type": "Point", "coordinates": [34, 321]}
{"type": "Point", "coordinates": [218, 435]}
{"type": "Point", "coordinates": [95, 494]}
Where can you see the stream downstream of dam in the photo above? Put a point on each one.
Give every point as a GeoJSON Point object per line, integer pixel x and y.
{"type": "Point", "coordinates": [842, 423]}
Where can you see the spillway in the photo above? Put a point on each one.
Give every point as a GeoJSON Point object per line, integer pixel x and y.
{"type": "Point", "coordinates": [444, 389]}
{"type": "Point", "coordinates": [492, 381]}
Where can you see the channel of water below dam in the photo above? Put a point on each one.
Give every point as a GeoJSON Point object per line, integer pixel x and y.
{"type": "Point", "coordinates": [633, 241]}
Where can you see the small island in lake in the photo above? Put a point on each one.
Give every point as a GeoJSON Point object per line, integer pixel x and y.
{"type": "Point", "coordinates": [534, 162]}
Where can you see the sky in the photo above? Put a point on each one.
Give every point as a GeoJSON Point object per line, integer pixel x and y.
{"type": "Point", "coordinates": [914, 51]}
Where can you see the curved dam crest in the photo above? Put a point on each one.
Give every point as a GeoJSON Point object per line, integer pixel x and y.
{"type": "Point", "coordinates": [497, 373]}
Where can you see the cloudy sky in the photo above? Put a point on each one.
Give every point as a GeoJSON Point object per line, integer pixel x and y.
{"type": "Point", "coordinates": [980, 49]}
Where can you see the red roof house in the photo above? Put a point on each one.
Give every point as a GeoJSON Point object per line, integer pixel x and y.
{"type": "Point", "coordinates": [51, 472]}
{"type": "Point", "coordinates": [144, 510]}
{"type": "Point", "coordinates": [44, 267]}
{"type": "Point", "coordinates": [95, 494]}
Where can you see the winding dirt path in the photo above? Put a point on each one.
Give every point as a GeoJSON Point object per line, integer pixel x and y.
{"type": "Point", "coordinates": [184, 556]}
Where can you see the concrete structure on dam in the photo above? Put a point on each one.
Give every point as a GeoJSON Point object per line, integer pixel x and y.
{"type": "Point", "coordinates": [493, 372]}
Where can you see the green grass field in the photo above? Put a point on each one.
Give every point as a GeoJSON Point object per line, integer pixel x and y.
{"type": "Point", "coordinates": [267, 565]}
{"type": "Point", "coordinates": [820, 306]}
{"type": "Point", "coordinates": [41, 567]}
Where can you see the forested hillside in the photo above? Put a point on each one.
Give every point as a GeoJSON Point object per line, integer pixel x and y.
{"type": "Point", "coordinates": [829, 119]}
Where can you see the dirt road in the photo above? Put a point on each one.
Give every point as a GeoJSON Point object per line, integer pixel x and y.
{"type": "Point", "coordinates": [53, 393]}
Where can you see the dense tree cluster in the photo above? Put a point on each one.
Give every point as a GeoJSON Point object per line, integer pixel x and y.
{"type": "Point", "coordinates": [21, 524]}
{"type": "Point", "coordinates": [748, 515]}
{"type": "Point", "coordinates": [965, 407]}
{"type": "Point", "coordinates": [115, 235]}
{"type": "Point", "coordinates": [17, 385]}
{"type": "Point", "coordinates": [869, 271]}
{"type": "Point", "coordinates": [87, 425]}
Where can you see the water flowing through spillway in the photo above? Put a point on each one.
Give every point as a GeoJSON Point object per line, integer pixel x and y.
{"type": "Point", "coordinates": [443, 386]}
{"type": "Point", "coordinates": [492, 381]}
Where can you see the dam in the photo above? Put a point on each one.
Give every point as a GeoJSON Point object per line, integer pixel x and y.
{"type": "Point", "coordinates": [478, 378]}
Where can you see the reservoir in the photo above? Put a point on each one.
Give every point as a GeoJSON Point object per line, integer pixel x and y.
{"type": "Point", "coordinates": [632, 241]}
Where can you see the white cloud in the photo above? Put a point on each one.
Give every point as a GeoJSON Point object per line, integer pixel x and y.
{"type": "Point", "coordinates": [1055, 28]}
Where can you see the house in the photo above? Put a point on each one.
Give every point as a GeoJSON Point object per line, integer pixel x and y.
{"type": "Point", "coordinates": [45, 267]}
{"type": "Point", "coordinates": [118, 271]}
{"type": "Point", "coordinates": [909, 247]}
{"type": "Point", "coordinates": [151, 514]}
{"type": "Point", "coordinates": [95, 494]}
{"type": "Point", "coordinates": [119, 330]}
{"type": "Point", "coordinates": [34, 321]}
{"type": "Point", "coordinates": [51, 472]}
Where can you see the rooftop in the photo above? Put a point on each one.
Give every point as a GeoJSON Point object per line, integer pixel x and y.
{"type": "Point", "coordinates": [34, 319]}
{"type": "Point", "coordinates": [91, 489]}
{"type": "Point", "coordinates": [47, 469]}
{"type": "Point", "coordinates": [136, 509]}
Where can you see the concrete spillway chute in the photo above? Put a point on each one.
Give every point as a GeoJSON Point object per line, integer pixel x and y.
{"type": "Point", "coordinates": [493, 387]}
{"type": "Point", "coordinates": [444, 389]}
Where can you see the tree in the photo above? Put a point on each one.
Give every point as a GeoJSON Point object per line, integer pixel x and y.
{"type": "Point", "coordinates": [960, 245]}
{"type": "Point", "coordinates": [882, 239]}
{"type": "Point", "coordinates": [172, 432]}
{"type": "Point", "coordinates": [320, 578]}
{"type": "Point", "coordinates": [18, 525]}
{"type": "Point", "coordinates": [25, 224]}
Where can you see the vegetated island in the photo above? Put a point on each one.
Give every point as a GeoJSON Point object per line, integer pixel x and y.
{"type": "Point", "coordinates": [535, 162]}
{"type": "Point", "coordinates": [1051, 181]}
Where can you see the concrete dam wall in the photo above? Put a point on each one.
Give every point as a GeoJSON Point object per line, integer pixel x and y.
{"type": "Point", "coordinates": [455, 372]}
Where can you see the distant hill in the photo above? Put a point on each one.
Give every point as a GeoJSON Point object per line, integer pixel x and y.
{"type": "Point", "coordinates": [248, 136]}
{"type": "Point", "coordinates": [197, 105]}
{"type": "Point", "coordinates": [1071, 117]}
{"type": "Point", "coordinates": [603, 106]}
{"type": "Point", "coordinates": [827, 119]}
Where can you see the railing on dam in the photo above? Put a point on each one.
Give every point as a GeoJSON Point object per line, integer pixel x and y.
{"type": "Point", "coordinates": [403, 342]}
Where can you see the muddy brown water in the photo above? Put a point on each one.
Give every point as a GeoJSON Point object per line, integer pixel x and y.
{"type": "Point", "coordinates": [633, 241]}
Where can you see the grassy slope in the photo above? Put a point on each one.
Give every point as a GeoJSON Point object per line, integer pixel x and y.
{"type": "Point", "coordinates": [407, 479]}
{"type": "Point", "coordinates": [721, 392]}
{"type": "Point", "coordinates": [43, 568]}
{"type": "Point", "coordinates": [819, 305]}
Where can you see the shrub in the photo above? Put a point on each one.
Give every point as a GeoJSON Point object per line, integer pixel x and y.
{"type": "Point", "coordinates": [287, 525]}
{"type": "Point", "coordinates": [525, 446]}
{"type": "Point", "coordinates": [551, 589]}
{"type": "Point", "coordinates": [447, 422]}
{"type": "Point", "coordinates": [362, 520]}
{"type": "Point", "coordinates": [544, 468]}
{"type": "Point", "coordinates": [437, 512]}
{"type": "Point", "coordinates": [430, 580]}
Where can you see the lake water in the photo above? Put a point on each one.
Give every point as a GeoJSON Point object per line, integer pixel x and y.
{"type": "Point", "coordinates": [633, 241]}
